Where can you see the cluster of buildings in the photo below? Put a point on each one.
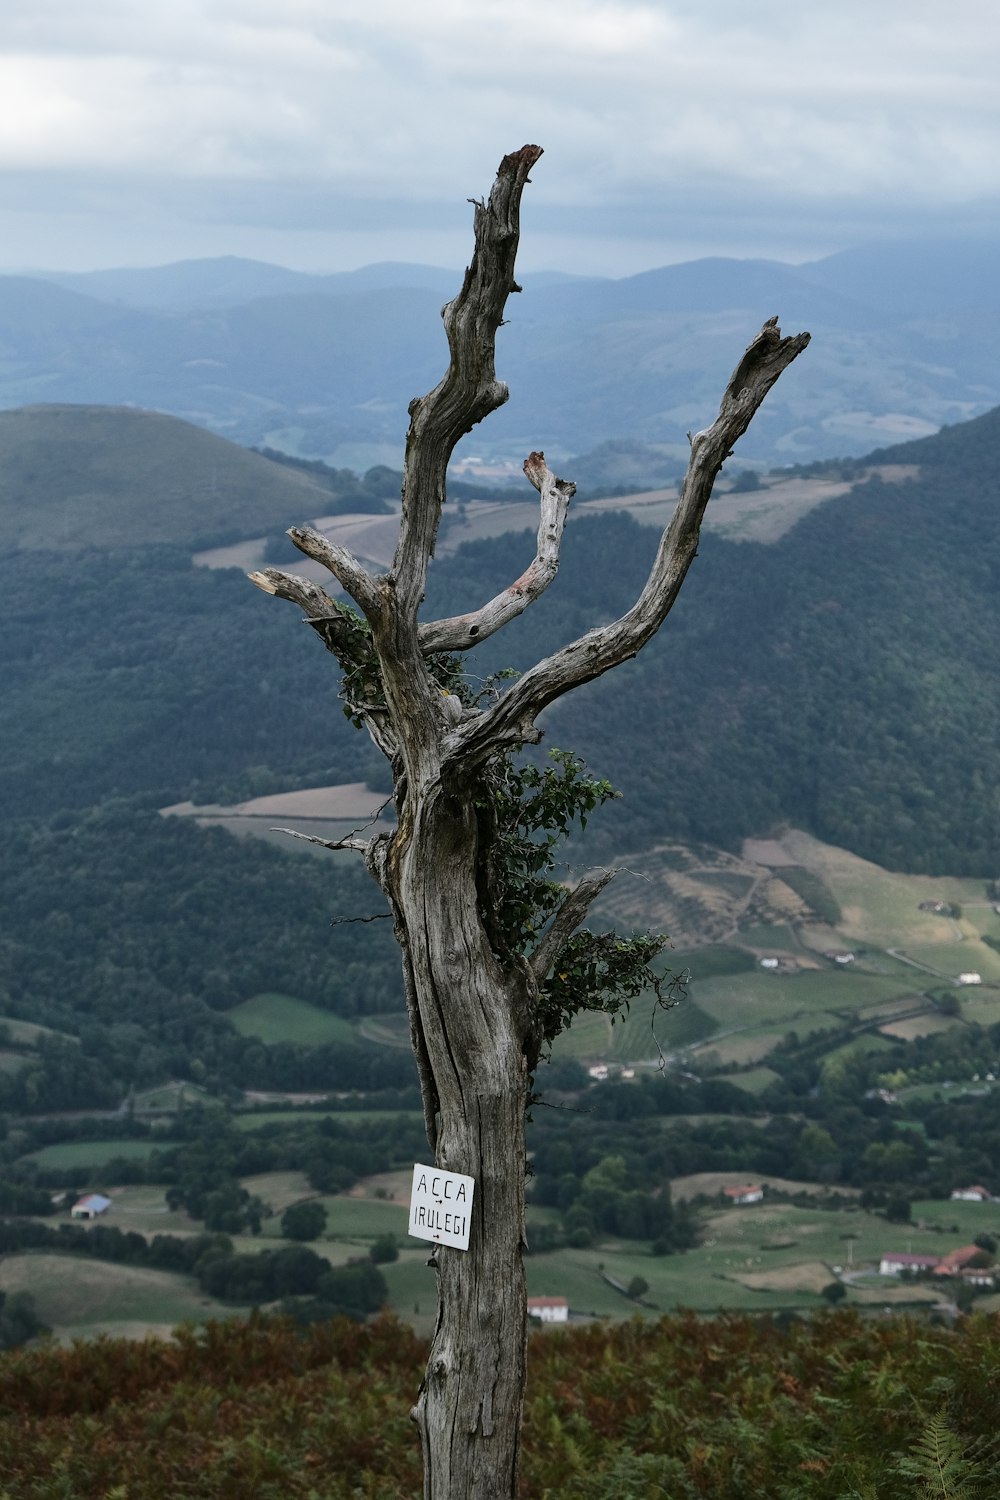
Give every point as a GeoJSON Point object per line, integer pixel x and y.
{"type": "Point", "coordinates": [965, 1263]}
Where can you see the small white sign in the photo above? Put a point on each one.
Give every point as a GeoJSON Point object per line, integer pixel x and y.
{"type": "Point", "coordinates": [441, 1206]}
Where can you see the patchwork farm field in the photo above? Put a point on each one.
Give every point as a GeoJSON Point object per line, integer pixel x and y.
{"type": "Point", "coordinates": [734, 1008]}
{"type": "Point", "coordinates": [330, 812]}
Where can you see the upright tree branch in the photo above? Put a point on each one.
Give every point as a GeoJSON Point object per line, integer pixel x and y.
{"type": "Point", "coordinates": [470, 389]}
{"type": "Point", "coordinates": [511, 720]}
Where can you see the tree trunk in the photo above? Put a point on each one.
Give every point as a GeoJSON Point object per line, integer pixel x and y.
{"type": "Point", "coordinates": [475, 1017]}
{"type": "Point", "coordinates": [471, 1017]}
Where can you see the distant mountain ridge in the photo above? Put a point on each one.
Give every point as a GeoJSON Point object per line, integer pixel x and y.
{"type": "Point", "coordinates": [904, 340]}
{"type": "Point", "coordinates": [228, 280]}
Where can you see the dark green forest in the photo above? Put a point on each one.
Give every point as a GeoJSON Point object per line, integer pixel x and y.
{"type": "Point", "coordinates": [842, 680]}
{"type": "Point", "coordinates": [839, 679]}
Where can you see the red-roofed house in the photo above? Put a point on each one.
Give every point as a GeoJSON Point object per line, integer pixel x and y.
{"type": "Point", "coordinates": [549, 1309]}
{"type": "Point", "coordinates": [972, 1194]}
{"type": "Point", "coordinates": [750, 1194]}
{"type": "Point", "coordinates": [957, 1260]}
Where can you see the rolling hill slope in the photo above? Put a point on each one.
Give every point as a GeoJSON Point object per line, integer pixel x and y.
{"type": "Point", "coordinates": [842, 678]}
{"type": "Point", "coordinates": [78, 476]}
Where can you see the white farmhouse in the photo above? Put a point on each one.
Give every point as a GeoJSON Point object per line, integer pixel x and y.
{"type": "Point", "coordinates": [549, 1309]}
{"type": "Point", "coordinates": [892, 1263]}
{"type": "Point", "coordinates": [751, 1193]}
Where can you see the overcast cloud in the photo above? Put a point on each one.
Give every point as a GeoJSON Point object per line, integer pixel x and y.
{"type": "Point", "coordinates": [322, 134]}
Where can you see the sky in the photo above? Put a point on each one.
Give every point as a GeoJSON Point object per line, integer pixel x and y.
{"type": "Point", "coordinates": [324, 135]}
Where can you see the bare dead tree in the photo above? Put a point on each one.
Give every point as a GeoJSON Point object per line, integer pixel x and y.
{"type": "Point", "coordinates": [476, 996]}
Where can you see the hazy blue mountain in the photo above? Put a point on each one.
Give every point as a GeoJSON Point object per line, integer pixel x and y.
{"type": "Point", "coordinates": [35, 313]}
{"type": "Point", "coordinates": [904, 341]}
{"type": "Point", "coordinates": [920, 279]}
{"type": "Point", "coordinates": [218, 282]}
{"type": "Point", "coordinates": [713, 285]}
{"type": "Point", "coordinates": [228, 280]}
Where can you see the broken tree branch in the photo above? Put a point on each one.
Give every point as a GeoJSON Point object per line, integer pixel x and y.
{"type": "Point", "coordinates": [361, 845]}
{"type": "Point", "coordinates": [352, 577]}
{"type": "Point", "coordinates": [313, 600]}
{"type": "Point", "coordinates": [460, 632]}
{"type": "Point", "coordinates": [567, 919]}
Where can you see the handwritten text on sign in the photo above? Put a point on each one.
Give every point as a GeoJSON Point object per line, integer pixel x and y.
{"type": "Point", "coordinates": [441, 1206]}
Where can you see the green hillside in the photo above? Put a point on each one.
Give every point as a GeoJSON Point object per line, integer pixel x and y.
{"type": "Point", "coordinates": [840, 679]}
{"type": "Point", "coordinates": [77, 476]}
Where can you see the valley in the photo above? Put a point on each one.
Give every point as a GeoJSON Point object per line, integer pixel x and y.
{"type": "Point", "coordinates": [202, 1018]}
{"type": "Point", "coordinates": [844, 936]}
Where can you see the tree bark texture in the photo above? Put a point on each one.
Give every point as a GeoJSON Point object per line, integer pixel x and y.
{"type": "Point", "coordinates": [473, 1005]}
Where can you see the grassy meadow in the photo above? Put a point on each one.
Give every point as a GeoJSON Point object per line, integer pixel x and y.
{"type": "Point", "coordinates": [275, 1018]}
{"type": "Point", "coordinates": [81, 1298]}
{"type": "Point", "coordinates": [69, 1154]}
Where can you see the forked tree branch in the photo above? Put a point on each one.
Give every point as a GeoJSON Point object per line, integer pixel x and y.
{"type": "Point", "coordinates": [512, 719]}
{"type": "Point", "coordinates": [344, 566]}
{"type": "Point", "coordinates": [470, 389]}
{"type": "Point", "coordinates": [460, 632]}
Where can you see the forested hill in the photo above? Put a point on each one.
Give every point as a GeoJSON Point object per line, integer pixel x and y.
{"type": "Point", "coordinates": [842, 679]}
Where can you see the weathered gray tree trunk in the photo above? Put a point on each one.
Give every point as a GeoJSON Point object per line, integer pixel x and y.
{"type": "Point", "coordinates": [472, 1006]}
